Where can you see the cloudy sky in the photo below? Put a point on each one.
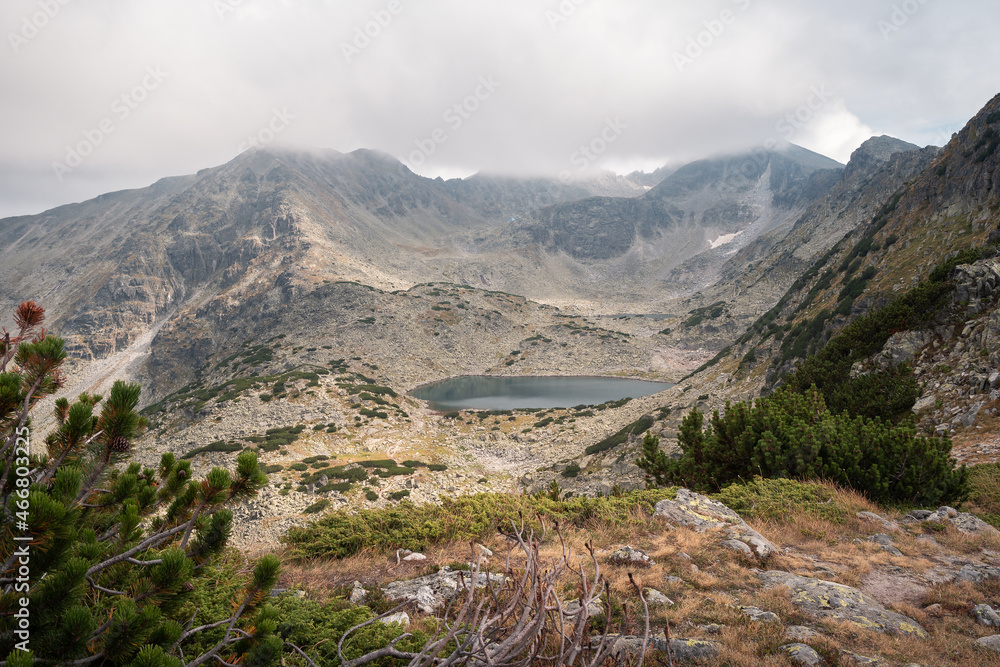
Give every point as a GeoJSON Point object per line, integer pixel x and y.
{"type": "Point", "coordinates": [101, 95]}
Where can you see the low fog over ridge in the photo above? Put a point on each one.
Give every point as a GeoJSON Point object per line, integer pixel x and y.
{"type": "Point", "coordinates": [532, 83]}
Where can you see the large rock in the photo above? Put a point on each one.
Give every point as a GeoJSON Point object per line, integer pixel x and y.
{"type": "Point", "coordinates": [358, 593]}
{"type": "Point", "coordinates": [695, 511]}
{"type": "Point", "coordinates": [886, 543]}
{"type": "Point", "coordinates": [977, 574]}
{"type": "Point", "coordinates": [432, 592]}
{"type": "Point", "coordinates": [986, 615]}
{"type": "Point", "coordinates": [803, 654]}
{"type": "Point", "coordinates": [629, 556]}
{"type": "Point", "coordinates": [825, 599]}
{"type": "Point", "coordinates": [758, 614]}
{"type": "Point", "coordinates": [903, 346]}
{"type": "Point", "coordinates": [400, 617]}
{"type": "Point", "coordinates": [976, 284]}
{"type": "Point", "coordinates": [992, 642]}
{"type": "Point", "coordinates": [655, 598]}
{"type": "Point", "coordinates": [684, 650]}
{"type": "Point", "coordinates": [965, 522]}
{"type": "Point", "coordinates": [969, 523]}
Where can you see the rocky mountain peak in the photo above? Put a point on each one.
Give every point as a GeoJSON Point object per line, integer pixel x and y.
{"type": "Point", "coordinates": [874, 153]}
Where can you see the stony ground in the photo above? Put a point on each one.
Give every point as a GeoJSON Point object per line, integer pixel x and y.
{"type": "Point", "coordinates": [830, 578]}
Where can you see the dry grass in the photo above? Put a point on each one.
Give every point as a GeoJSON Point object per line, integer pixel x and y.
{"type": "Point", "coordinates": [961, 597]}
{"type": "Point", "coordinates": [987, 430]}
{"type": "Point", "coordinates": [714, 580]}
{"type": "Point", "coordinates": [952, 539]}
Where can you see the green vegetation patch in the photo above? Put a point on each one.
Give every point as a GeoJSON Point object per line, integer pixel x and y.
{"type": "Point", "coordinates": [340, 487]}
{"type": "Point", "coordinates": [699, 315]}
{"type": "Point", "coordinates": [378, 463]}
{"type": "Point", "coordinates": [317, 506]}
{"type": "Point", "coordinates": [217, 446]}
{"type": "Point", "coordinates": [194, 398]}
{"type": "Point", "coordinates": [984, 492]}
{"type": "Point", "coordinates": [395, 471]}
{"type": "Point", "coordinates": [368, 388]}
{"type": "Point", "coordinates": [640, 425]}
{"type": "Point", "coordinates": [276, 438]}
{"type": "Point", "coordinates": [336, 472]}
{"type": "Point", "coordinates": [417, 527]}
{"type": "Point", "coordinates": [772, 498]}
{"type": "Point", "coordinates": [793, 435]}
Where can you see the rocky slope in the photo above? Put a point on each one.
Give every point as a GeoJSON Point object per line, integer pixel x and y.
{"type": "Point", "coordinates": [947, 207]}
{"type": "Point", "coordinates": [275, 219]}
{"type": "Point", "coordinates": [897, 213]}
{"type": "Point", "coordinates": [755, 276]}
{"type": "Point", "coordinates": [799, 573]}
{"type": "Point", "coordinates": [709, 203]}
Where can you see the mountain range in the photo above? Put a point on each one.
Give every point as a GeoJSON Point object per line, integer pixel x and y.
{"type": "Point", "coordinates": [407, 280]}
{"type": "Point", "coordinates": [133, 257]}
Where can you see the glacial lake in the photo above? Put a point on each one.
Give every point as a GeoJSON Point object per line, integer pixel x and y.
{"type": "Point", "coordinates": [487, 392]}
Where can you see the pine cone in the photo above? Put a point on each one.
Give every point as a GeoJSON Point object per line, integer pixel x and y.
{"type": "Point", "coordinates": [120, 444]}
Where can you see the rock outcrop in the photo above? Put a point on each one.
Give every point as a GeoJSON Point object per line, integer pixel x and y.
{"type": "Point", "coordinates": [695, 511]}
{"type": "Point", "coordinates": [825, 599]}
{"type": "Point", "coordinates": [432, 592]}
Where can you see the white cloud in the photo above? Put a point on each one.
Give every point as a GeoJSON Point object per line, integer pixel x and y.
{"type": "Point", "coordinates": [834, 132]}
{"type": "Point", "coordinates": [609, 58]}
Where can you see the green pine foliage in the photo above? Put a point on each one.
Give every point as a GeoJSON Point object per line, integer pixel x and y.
{"type": "Point", "coordinates": [383, 530]}
{"type": "Point", "coordinates": [885, 394]}
{"type": "Point", "coordinates": [794, 435]}
{"type": "Point", "coordinates": [641, 425]}
{"type": "Point", "coordinates": [102, 555]}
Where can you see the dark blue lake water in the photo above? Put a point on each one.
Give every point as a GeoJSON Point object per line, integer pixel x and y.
{"type": "Point", "coordinates": [485, 392]}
